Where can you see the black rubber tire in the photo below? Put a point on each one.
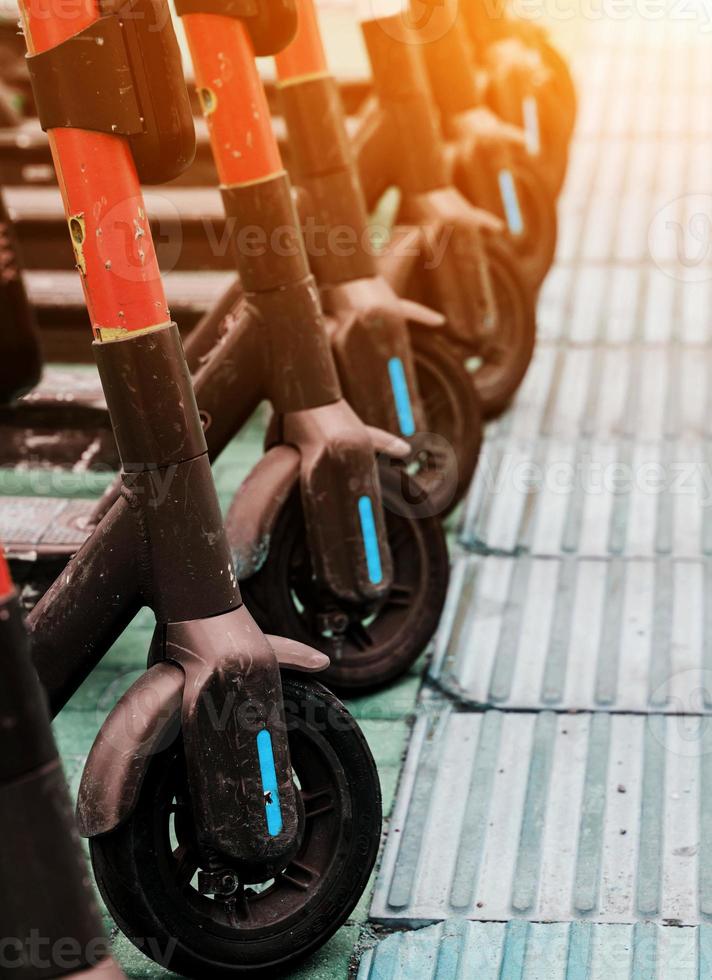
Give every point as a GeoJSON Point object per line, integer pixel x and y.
{"type": "Point", "coordinates": [497, 383]}
{"type": "Point", "coordinates": [555, 139]}
{"type": "Point", "coordinates": [403, 624]}
{"type": "Point", "coordinates": [132, 865]}
{"type": "Point", "coordinates": [565, 85]}
{"type": "Point", "coordinates": [554, 124]}
{"type": "Point", "coordinates": [453, 412]}
{"type": "Point", "coordinates": [536, 247]}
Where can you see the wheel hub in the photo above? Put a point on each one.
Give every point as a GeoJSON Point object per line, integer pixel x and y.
{"type": "Point", "coordinates": [220, 884]}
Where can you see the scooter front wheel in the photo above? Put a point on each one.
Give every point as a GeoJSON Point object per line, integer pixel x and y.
{"type": "Point", "coordinates": [368, 646]}
{"type": "Point", "coordinates": [565, 85]}
{"type": "Point", "coordinates": [500, 352]}
{"type": "Point", "coordinates": [520, 196]}
{"type": "Point", "coordinates": [147, 869]}
{"type": "Point", "coordinates": [447, 455]}
{"type": "Point", "coordinates": [535, 244]}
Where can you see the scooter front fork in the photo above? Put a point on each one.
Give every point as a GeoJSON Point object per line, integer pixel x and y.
{"type": "Point", "coordinates": [454, 261]}
{"type": "Point", "coordinates": [369, 338]}
{"type": "Point", "coordinates": [341, 498]}
{"type": "Point", "coordinates": [235, 736]}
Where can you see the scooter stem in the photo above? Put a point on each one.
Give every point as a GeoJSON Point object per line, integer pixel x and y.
{"type": "Point", "coordinates": [108, 224]}
{"type": "Point", "coordinates": [483, 25]}
{"type": "Point", "coordinates": [369, 320]}
{"type": "Point", "coordinates": [403, 89]}
{"type": "Point", "coordinates": [448, 59]}
{"type": "Point", "coordinates": [321, 155]}
{"type": "Point", "coordinates": [269, 251]}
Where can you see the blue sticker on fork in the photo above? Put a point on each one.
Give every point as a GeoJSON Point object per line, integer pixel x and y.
{"type": "Point", "coordinates": [370, 540]}
{"type": "Point", "coordinates": [510, 200]}
{"type": "Point", "coordinates": [401, 396]}
{"type": "Point", "coordinates": [273, 809]}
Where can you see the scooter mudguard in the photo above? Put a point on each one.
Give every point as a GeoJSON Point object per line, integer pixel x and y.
{"type": "Point", "coordinates": [262, 495]}
{"type": "Point", "coordinates": [256, 506]}
{"type": "Point", "coordinates": [146, 720]}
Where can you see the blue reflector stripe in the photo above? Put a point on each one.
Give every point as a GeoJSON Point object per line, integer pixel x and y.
{"type": "Point", "coordinates": [530, 110]}
{"type": "Point", "coordinates": [370, 540]}
{"type": "Point", "coordinates": [513, 212]}
{"type": "Point", "coordinates": [273, 809]}
{"type": "Point", "coordinates": [401, 396]}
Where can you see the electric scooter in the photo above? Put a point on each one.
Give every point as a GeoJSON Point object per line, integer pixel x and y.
{"type": "Point", "coordinates": [51, 926]}
{"type": "Point", "coordinates": [371, 329]}
{"type": "Point", "coordinates": [465, 266]}
{"type": "Point", "coordinates": [494, 165]}
{"type": "Point", "coordinates": [308, 576]}
{"type": "Point", "coordinates": [231, 802]}
{"type": "Point", "coordinates": [326, 548]}
{"type": "Point", "coordinates": [525, 80]}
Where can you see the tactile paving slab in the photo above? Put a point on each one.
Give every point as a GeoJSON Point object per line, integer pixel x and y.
{"type": "Point", "coordinates": [617, 304]}
{"type": "Point", "coordinates": [646, 394]}
{"type": "Point", "coordinates": [591, 497]}
{"type": "Point", "coordinates": [634, 83]}
{"type": "Point", "coordinates": [551, 817]}
{"type": "Point", "coordinates": [461, 950]}
{"type": "Point", "coordinates": [578, 634]}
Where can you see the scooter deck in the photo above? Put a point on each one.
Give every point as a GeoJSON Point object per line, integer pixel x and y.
{"type": "Point", "coordinates": [40, 535]}
{"type": "Point", "coordinates": [62, 422]}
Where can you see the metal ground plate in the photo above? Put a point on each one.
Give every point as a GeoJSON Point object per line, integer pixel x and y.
{"type": "Point", "coordinates": [551, 817]}
{"type": "Point", "coordinates": [461, 950]}
{"type": "Point", "coordinates": [577, 633]}
{"type": "Point", "coordinates": [591, 497]}
{"type": "Point", "coordinates": [68, 385]}
{"type": "Point", "coordinates": [43, 525]}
